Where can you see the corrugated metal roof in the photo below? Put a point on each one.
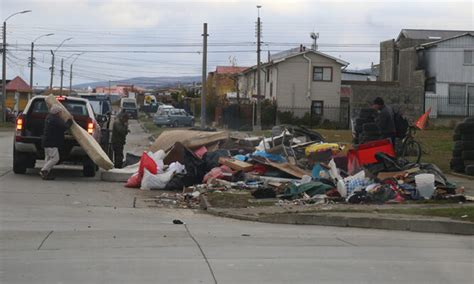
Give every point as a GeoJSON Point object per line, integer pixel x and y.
{"type": "Point", "coordinates": [430, 44]}
{"type": "Point", "coordinates": [430, 34]}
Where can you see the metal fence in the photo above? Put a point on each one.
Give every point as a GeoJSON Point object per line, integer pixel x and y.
{"type": "Point", "coordinates": [450, 107]}
{"type": "Point", "coordinates": [242, 117]}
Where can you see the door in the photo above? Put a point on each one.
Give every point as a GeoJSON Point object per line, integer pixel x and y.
{"type": "Point", "coordinates": [470, 100]}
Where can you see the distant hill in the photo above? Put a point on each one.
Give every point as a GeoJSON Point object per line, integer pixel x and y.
{"type": "Point", "coordinates": [146, 82]}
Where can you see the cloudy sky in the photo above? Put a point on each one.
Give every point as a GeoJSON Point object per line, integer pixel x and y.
{"type": "Point", "coordinates": [127, 38]}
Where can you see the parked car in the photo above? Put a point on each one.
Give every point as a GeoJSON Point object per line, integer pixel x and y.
{"type": "Point", "coordinates": [103, 111]}
{"type": "Point", "coordinates": [164, 107]}
{"type": "Point", "coordinates": [10, 115]}
{"type": "Point", "coordinates": [129, 105]}
{"type": "Point", "coordinates": [27, 146]}
{"type": "Point", "coordinates": [173, 117]}
{"type": "Point", "coordinates": [101, 106]}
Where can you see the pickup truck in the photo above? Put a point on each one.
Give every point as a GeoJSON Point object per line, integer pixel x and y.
{"type": "Point", "coordinates": [27, 146]}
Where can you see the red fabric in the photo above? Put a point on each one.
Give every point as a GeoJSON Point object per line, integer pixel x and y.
{"type": "Point", "coordinates": [200, 152]}
{"type": "Point", "coordinates": [134, 181]}
{"type": "Point", "coordinates": [421, 122]}
{"type": "Point", "coordinates": [260, 169]}
{"type": "Point", "coordinates": [217, 173]}
{"type": "Point", "coordinates": [146, 162]}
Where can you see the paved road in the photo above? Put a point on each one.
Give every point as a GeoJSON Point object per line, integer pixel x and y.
{"type": "Point", "coordinates": [79, 230]}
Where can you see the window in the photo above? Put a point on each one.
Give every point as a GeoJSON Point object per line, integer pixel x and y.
{"type": "Point", "coordinates": [322, 74]}
{"type": "Point", "coordinates": [317, 108]}
{"type": "Point", "coordinates": [468, 57]}
{"type": "Point", "coordinates": [457, 94]}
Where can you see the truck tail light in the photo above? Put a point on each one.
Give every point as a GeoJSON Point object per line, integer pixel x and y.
{"type": "Point", "coordinates": [90, 128]}
{"type": "Point", "coordinates": [19, 124]}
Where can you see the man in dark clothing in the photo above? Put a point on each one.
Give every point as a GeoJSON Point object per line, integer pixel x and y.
{"type": "Point", "coordinates": [385, 120]}
{"type": "Point", "coordinates": [53, 140]}
{"type": "Point", "coordinates": [119, 135]}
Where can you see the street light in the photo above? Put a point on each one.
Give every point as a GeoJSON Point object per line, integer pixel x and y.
{"type": "Point", "coordinates": [32, 59]}
{"type": "Point", "coordinates": [52, 61]}
{"type": "Point", "coordinates": [4, 65]}
{"type": "Point", "coordinates": [70, 71]}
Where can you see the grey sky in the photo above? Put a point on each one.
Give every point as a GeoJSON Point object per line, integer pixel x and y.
{"type": "Point", "coordinates": [167, 34]}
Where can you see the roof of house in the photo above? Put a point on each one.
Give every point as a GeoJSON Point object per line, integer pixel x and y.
{"type": "Point", "coordinates": [295, 54]}
{"type": "Point", "coordinates": [18, 85]}
{"type": "Point", "coordinates": [434, 43]}
{"type": "Point", "coordinates": [430, 34]}
{"type": "Point", "coordinates": [229, 69]}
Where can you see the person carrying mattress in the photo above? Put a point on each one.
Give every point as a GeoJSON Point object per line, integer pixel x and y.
{"type": "Point", "coordinates": [53, 139]}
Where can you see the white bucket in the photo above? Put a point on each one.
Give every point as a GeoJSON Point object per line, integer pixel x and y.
{"type": "Point", "coordinates": [425, 183]}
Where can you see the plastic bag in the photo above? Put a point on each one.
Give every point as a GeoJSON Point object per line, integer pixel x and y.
{"type": "Point", "coordinates": [134, 181]}
{"type": "Point", "coordinates": [155, 182]}
{"type": "Point", "coordinates": [148, 163]}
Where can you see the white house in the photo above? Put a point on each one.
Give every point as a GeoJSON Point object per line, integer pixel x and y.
{"type": "Point", "coordinates": [449, 69]}
{"type": "Point", "coordinates": [300, 80]}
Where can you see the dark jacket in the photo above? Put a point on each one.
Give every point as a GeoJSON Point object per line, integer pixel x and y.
{"type": "Point", "coordinates": [385, 121]}
{"type": "Point", "coordinates": [119, 132]}
{"type": "Point", "coordinates": [54, 128]}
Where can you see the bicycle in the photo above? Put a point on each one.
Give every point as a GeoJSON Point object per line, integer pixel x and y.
{"type": "Point", "coordinates": [410, 149]}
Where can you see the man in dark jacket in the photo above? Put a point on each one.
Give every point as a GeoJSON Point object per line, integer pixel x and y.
{"type": "Point", "coordinates": [385, 120]}
{"type": "Point", "coordinates": [119, 136]}
{"type": "Point", "coordinates": [53, 140]}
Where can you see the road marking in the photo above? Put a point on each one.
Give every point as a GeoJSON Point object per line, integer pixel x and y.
{"type": "Point", "coordinates": [202, 253]}
{"type": "Point", "coordinates": [346, 242]}
{"type": "Point", "coordinates": [44, 240]}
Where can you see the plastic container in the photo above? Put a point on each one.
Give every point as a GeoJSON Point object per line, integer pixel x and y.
{"type": "Point", "coordinates": [425, 183]}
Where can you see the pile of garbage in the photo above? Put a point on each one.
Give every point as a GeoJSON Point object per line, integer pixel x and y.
{"type": "Point", "coordinates": [294, 164]}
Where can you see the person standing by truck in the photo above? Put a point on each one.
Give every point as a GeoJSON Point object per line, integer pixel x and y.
{"type": "Point", "coordinates": [53, 140]}
{"type": "Point", "coordinates": [119, 136]}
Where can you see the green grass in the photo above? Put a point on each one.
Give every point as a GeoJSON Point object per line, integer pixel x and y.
{"type": "Point", "coordinates": [229, 200]}
{"type": "Point", "coordinates": [149, 125]}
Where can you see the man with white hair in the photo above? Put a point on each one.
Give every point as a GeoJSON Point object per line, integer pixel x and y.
{"type": "Point", "coordinates": [53, 139]}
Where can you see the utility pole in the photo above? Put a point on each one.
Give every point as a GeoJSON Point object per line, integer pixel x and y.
{"type": "Point", "coordinates": [62, 75]}
{"type": "Point", "coordinates": [204, 76]}
{"type": "Point", "coordinates": [32, 62]}
{"type": "Point", "coordinates": [258, 125]}
{"type": "Point", "coordinates": [4, 71]}
{"type": "Point", "coordinates": [4, 66]}
{"type": "Point", "coordinates": [52, 70]}
{"type": "Point", "coordinates": [70, 80]}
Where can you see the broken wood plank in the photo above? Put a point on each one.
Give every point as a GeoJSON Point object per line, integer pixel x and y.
{"type": "Point", "coordinates": [236, 165]}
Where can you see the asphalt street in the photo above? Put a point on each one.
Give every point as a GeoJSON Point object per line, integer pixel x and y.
{"type": "Point", "coordinates": [83, 230]}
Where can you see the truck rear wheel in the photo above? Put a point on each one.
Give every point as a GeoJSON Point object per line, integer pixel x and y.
{"type": "Point", "coordinates": [19, 162]}
{"type": "Point", "coordinates": [89, 168]}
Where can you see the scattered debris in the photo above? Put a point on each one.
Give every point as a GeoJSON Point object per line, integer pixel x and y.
{"type": "Point", "coordinates": [295, 165]}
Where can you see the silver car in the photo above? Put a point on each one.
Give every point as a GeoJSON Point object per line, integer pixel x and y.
{"type": "Point", "coordinates": [173, 117]}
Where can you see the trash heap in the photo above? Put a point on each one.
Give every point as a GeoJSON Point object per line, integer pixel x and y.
{"type": "Point", "coordinates": [295, 165]}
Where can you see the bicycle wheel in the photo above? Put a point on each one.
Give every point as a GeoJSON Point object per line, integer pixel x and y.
{"type": "Point", "coordinates": [411, 151]}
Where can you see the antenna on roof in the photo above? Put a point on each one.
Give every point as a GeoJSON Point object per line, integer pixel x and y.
{"type": "Point", "coordinates": [315, 37]}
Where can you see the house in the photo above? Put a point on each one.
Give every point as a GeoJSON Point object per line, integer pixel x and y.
{"type": "Point", "coordinates": [17, 94]}
{"type": "Point", "coordinates": [398, 58]}
{"type": "Point", "coordinates": [299, 80]}
{"type": "Point", "coordinates": [122, 90]}
{"type": "Point", "coordinates": [449, 69]}
{"type": "Point", "coordinates": [431, 61]}
{"type": "Point", "coordinates": [223, 81]}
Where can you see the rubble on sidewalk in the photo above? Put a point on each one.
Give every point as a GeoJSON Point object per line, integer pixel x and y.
{"type": "Point", "coordinates": [295, 165]}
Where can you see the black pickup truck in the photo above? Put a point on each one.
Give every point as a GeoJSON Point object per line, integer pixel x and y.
{"type": "Point", "coordinates": [29, 131]}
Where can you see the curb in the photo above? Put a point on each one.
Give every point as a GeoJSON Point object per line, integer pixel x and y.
{"type": "Point", "coordinates": [462, 175]}
{"type": "Point", "coordinates": [375, 222]}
